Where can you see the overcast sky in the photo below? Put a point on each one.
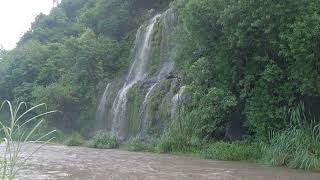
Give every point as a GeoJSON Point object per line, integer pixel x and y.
{"type": "Point", "coordinates": [16, 17]}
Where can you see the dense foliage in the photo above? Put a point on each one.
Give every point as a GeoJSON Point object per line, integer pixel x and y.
{"type": "Point", "coordinates": [68, 54]}
{"type": "Point", "coordinates": [250, 70]}
{"type": "Point", "coordinates": [248, 63]}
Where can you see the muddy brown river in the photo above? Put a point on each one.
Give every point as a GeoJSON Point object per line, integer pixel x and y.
{"type": "Point", "coordinates": [80, 163]}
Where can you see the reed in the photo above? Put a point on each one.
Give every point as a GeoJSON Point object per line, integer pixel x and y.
{"type": "Point", "coordinates": [16, 134]}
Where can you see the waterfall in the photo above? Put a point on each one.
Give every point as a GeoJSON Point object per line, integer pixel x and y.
{"type": "Point", "coordinates": [176, 102]}
{"type": "Point", "coordinates": [165, 70]}
{"type": "Point", "coordinates": [169, 20]}
{"type": "Point", "coordinates": [112, 112]}
{"type": "Point", "coordinates": [145, 110]}
{"type": "Point", "coordinates": [101, 110]}
{"type": "Point", "coordinates": [137, 73]}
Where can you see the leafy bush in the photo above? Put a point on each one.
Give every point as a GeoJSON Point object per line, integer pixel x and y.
{"type": "Point", "coordinates": [137, 144]}
{"type": "Point", "coordinates": [75, 139]}
{"type": "Point", "coordinates": [173, 141]}
{"type": "Point", "coordinates": [104, 141]}
{"type": "Point", "coordinates": [237, 151]}
{"type": "Point", "coordinates": [295, 148]}
{"type": "Point", "coordinates": [262, 61]}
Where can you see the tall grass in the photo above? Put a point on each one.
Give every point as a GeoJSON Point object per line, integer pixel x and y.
{"type": "Point", "coordinates": [298, 146]}
{"type": "Point", "coordinates": [173, 141]}
{"type": "Point", "coordinates": [295, 148]}
{"type": "Point", "coordinates": [233, 151]}
{"type": "Point", "coordinates": [15, 136]}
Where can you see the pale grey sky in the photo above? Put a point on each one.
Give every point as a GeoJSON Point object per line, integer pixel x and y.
{"type": "Point", "coordinates": [16, 17]}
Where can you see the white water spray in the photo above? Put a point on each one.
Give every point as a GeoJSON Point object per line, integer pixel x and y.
{"type": "Point", "coordinates": [137, 73]}
{"type": "Point", "coordinates": [101, 111]}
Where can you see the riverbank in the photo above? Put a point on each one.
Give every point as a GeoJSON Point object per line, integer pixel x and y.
{"type": "Point", "coordinates": [63, 162]}
{"type": "Point", "coordinates": [293, 148]}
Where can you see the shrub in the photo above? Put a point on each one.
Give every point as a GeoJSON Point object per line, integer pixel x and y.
{"type": "Point", "coordinates": [173, 141]}
{"type": "Point", "coordinates": [104, 141]}
{"type": "Point", "coordinates": [295, 148]}
{"type": "Point", "coordinates": [60, 137]}
{"type": "Point", "coordinates": [136, 144]}
{"type": "Point", "coordinates": [236, 151]}
{"type": "Point", "coordinates": [75, 139]}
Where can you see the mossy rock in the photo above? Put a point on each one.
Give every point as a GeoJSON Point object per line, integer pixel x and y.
{"type": "Point", "coordinates": [134, 108]}
{"type": "Point", "coordinates": [155, 52]}
{"type": "Point", "coordinates": [159, 108]}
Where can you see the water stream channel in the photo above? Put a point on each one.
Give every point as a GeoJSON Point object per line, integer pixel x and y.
{"type": "Point", "coordinates": [80, 163]}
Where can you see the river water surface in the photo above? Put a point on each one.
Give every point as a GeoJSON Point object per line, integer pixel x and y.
{"type": "Point", "coordinates": [61, 162]}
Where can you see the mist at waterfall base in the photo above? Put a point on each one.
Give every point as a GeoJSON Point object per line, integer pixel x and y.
{"type": "Point", "coordinates": [112, 112]}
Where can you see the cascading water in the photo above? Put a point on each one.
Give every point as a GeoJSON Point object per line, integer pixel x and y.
{"type": "Point", "coordinates": [137, 73]}
{"type": "Point", "coordinates": [166, 69]}
{"type": "Point", "coordinates": [169, 20]}
{"type": "Point", "coordinates": [176, 102]}
{"type": "Point", "coordinates": [101, 110]}
{"type": "Point", "coordinates": [113, 113]}
{"type": "Point", "coordinates": [145, 110]}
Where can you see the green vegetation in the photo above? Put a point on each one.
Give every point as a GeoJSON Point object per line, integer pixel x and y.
{"type": "Point", "coordinates": [249, 65]}
{"type": "Point", "coordinates": [104, 141]}
{"type": "Point", "coordinates": [136, 144]}
{"type": "Point", "coordinates": [250, 69]}
{"type": "Point", "coordinates": [69, 54]}
{"type": "Point", "coordinates": [173, 141]}
{"type": "Point", "coordinates": [155, 53]}
{"type": "Point", "coordinates": [136, 98]}
{"type": "Point", "coordinates": [75, 139]}
{"type": "Point", "coordinates": [246, 65]}
{"type": "Point", "coordinates": [15, 136]}
{"type": "Point", "coordinates": [295, 148]}
{"type": "Point", "coordinates": [236, 151]}
{"type": "Point", "coordinates": [159, 108]}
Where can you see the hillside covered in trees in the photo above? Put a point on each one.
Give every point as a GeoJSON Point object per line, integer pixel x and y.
{"type": "Point", "coordinates": [64, 56]}
{"type": "Point", "coordinates": [246, 71]}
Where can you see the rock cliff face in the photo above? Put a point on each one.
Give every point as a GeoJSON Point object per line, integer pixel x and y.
{"type": "Point", "coordinates": [144, 104]}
